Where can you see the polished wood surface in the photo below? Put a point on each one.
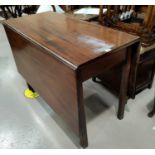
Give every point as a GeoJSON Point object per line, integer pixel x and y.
{"type": "Point", "coordinates": [67, 38]}
{"type": "Point", "coordinates": [37, 67]}
{"type": "Point", "coordinates": [55, 53]}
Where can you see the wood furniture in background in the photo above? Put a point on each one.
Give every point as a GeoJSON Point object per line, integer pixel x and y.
{"type": "Point", "coordinates": [14, 11]}
{"type": "Point", "coordinates": [139, 20]}
{"type": "Point", "coordinates": [56, 53]}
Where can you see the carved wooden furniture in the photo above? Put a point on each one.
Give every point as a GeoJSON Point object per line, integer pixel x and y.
{"type": "Point", "coordinates": [143, 68]}
{"type": "Point", "coordinates": [14, 11]}
{"type": "Point", "coordinates": [30, 9]}
{"type": "Point", "coordinates": [56, 53]}
{"type": "Point", "coordinates": [139, 20]}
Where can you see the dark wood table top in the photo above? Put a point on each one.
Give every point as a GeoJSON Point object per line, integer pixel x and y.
{"type": "Point", "coordinates": [73, 41]}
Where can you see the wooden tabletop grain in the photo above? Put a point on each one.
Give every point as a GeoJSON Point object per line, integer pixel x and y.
{"type": "Point", "coordinates": [73, 41]}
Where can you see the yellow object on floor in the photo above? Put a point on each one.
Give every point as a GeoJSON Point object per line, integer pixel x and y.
{"type": "Point", "coordinates": [30, 94]}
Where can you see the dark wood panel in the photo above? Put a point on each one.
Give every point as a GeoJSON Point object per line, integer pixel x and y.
{"type": "Point", "coordinates": [55, 82]}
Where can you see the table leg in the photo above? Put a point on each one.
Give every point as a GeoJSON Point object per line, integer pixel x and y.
{"type": "Point", "coordinates": [124, 86]}
{"type": "Point", "coordinates": [30, 87]}
{"type": "Point", "coordinates": [152, 112]}
{"type": "Point", "coordinates": [135, 59]}
{"type": "Point", "coordinates": [152, 76]}
{"type": "Point", "coordinates": [94, 79]}
{"type": "Point", "coordinates": [82, 120]}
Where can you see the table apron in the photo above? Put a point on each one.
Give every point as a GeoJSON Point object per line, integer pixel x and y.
{"type": "Point", "coordinates": [100, 65]}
